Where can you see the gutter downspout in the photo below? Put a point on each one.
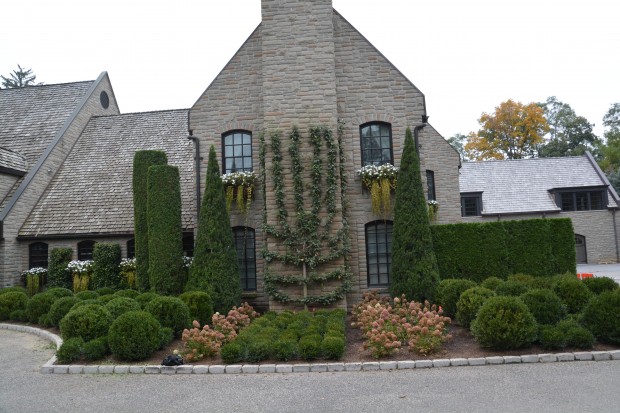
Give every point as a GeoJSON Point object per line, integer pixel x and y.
{"type": "Point", "coordinates": [416, 132]}
{"type": "Point", "coordinates": [197, 168]}
{"type": "Point", "coordinates": [613, 217]}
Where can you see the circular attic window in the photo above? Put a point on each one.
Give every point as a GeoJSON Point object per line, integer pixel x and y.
{"type": "Point", "coordinates": [105, 99]}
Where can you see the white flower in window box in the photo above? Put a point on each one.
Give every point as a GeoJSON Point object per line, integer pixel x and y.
{"type": "Point", "coordinates": [433, 209]}
{"type": "Point", "coordinates": [380, 181]}
{"type": "Point", "coordinates": [239, 186]}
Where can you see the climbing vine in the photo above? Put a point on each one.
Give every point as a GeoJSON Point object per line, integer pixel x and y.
{"type": "Point", "coordinates": [309, 238]}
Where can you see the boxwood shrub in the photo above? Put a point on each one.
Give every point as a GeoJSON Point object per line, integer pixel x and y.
{"type": "Point", "coordinates": [170, 312]}
{"type": "Point", "coordinates": [504, 323]}
{"type": "Point", "coordinates": [145, 298]}
{"type": "Point", "coordinates": [88, 321]}
{"type": "Point", "coordinates": [96, 349]}
{"type": "Point", "coordinates": [492, 283]}
{"type": "Point", "coordinates": [12, 301]}
{"type": "Point", "coordinates": [39, 305]}
{"type": "Point", "coordinates": [127, 293]}
{"type": "Point", "coordinates": [87, 295]}
{"type": "Point", "coordinates": [120, 305]}
{"type": "Point", "coordinates": [60, 308]}
{"type": "Point", "coordinates": [70, 350]}
{"type": "Point", "coordinates": [134, 335]}
{"type": "Point", "coordinates": [200, 306]}
{"type": "Point", "coordinates": [600, 285]}
{"type": "Point", "coordinates": [448, 293]}
{"type": "Point", "coordinates": [469, 303]}
{"type": "Point", "coordinates": [310, 346]}
{"type": "Point", "coordinates": [332, 348]}
{"type": "Point", "coordinates": [602, 317]}
{"type": "Point", "coordinates": [59, 292]}
{"type": "Point", "coordinates": [545, 305]}
{"type": "Point", "coordinates": [573, 293]}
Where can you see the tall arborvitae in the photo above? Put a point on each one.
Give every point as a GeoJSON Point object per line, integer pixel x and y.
{"type": "Point", "coordinates": [166, 272]}
{"type": "Point", "coordinates": [57, 273]}
{"type": "Point", "coordinates": [106, 261]}
{"type": "Point", "coordinates": [141, 162]}
{"type": "Point", "coordinates": [414, 266]}
{"type": "Point", "coordinates": [214, 268]}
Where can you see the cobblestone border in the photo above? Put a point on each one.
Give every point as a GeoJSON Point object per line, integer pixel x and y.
{"type": "Point", "coordinates": [51, 368]}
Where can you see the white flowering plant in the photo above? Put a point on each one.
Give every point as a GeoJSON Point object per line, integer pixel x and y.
{"type": "Point", "coordinates": [433, 208]}
{"type": "Point", "coordinates": [81, 271]}
{"type": "Point", "coordinates": [239, 186]}
{"type": "Point", "coordinates": [40, 271]}
{"type": "Point", "coordinates": [80, 267]}
{"type": "Point", "coordinates": [128, 271]}
{"type": "Point", "coordinates": [187, 261]}
{"type": "Point", "coordinates": [380, 180]}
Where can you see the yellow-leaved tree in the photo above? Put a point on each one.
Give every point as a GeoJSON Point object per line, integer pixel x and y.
{"type": "Point", "coordinates": [513, 131]}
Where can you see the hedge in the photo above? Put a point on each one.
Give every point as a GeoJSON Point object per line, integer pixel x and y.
{"type": "Point", "coordinates": [106, 261]}
{"type": "Point", "coordinates": [476, 251]}
{"type": "Point", "coordinates": [166, 272]}
{"type": "Point", "coordinates": [57, 273]}
{"type": "Point", "coordinates": [141, 162]}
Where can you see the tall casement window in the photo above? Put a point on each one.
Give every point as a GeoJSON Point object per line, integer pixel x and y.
{"type": "Point", "coordinates": [584, 200]}
{"type": "Point", "coordinates": [376, 142]}
{"type": "Point", "coordinates": [430, 185]}
{"type": "Point", "coordinates": [237, 153]}
{"type": "Point", "coordinates": [131, 248]}
{"type": "Point", "coordinates": [188, 244]}
{"type": "Point", "coordinates": [85, 250]}
{"type": "Point", "coordinates": [471, 204]}
{"type": "Point", "coordinates": [379, 252]}
{"type": "Point", "coordinates": [246, 257]}
{"type": "Point", "coordinates": [37, 255]}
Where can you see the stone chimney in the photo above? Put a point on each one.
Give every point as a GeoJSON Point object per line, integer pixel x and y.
{"type": "Point", "coordinates": [299, 78]}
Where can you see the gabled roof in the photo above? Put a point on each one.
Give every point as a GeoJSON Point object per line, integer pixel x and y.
{"type": "Point", "coordinates": [31, 116]}
{"type": "Point", "coordinates": [12, 162]}
{"type": "Point", "coordinates": [524, 185]}
{"type": "Point", "coordinates": [92, 192]}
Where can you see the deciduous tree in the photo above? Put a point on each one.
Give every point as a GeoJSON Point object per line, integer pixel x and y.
{"type": "Point", "coordinates": [513, 131]}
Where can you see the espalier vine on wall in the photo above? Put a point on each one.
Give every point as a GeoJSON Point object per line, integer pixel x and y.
{"type": "Point", "coordinates": [309, 239]}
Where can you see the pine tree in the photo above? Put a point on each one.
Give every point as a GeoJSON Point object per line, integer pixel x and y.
{"type": "Point", "coordinates": [215, 268]}
{"type": "Point", "coordinates": [141, 162]}
{"type": "Point", "coordinates": [414, 266]}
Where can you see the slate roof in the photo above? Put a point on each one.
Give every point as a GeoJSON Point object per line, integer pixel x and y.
{"type": "Point", "coordinates": [92, 192]}
{"type": "Point", "coordinates": [31, 116]}
{"type": "Point", "coordinates": [522, 186]}
{"type": "Point", "coordinates": [12, 160]}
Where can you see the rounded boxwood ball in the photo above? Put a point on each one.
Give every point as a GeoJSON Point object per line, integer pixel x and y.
{"type": "Point", "coordinates": [602, 317]}
{"type": "Point", "coordinates": [134, 335]}
{"type": "Point", "coordinates": [121, 305]}
{"type": "Point", "coordinates": [87, 321]}
{"type": "Point", "coordinates": [504, 323]}
{"type": "Point", "coordinates": [170, 312]}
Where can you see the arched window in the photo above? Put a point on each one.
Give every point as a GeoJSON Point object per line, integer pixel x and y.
{"type": "Point", "coordinates": [237, 151]}
{"type": "Point", "coordinates": [37, 255]}
{"type": "Point", "coordinates": [131, 248]}
{"type": "Point", "coordinates": [379, 252]}
{"type": "Point", "coordinates": [376, 141]}
{"type": "Point", "coordinates": [246, 257]}
{"type": "Point", "coordinates": [85, 250]}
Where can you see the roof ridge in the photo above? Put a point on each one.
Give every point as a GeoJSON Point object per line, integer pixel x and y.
{"type": "Point", "coordinates": [30, 87]}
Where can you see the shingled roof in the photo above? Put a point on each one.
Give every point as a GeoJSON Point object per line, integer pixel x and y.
{"type": "Point", "coordinates": [31, 116]}
{"type": "Point", "coordinates": [12, 162]}
{"type": "Point", "coordinates": [92, 192]}
{"type": "Point", "coordinates": [524, 185]}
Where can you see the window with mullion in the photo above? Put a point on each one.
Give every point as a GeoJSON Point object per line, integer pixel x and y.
{"type": "Point", "coordinates": [376, 143]}
{"type": "Point", "coordinates": [85, 250]}
{"type": "Point", "coordinates": [379, 252]}
{"type": "Point", "coordinates": [471, 205]}
{"type": "Point", "coordinates": [237, 152]}
{"type": "Point", "coordinates": [246, 257]}
{"type": "Point", "coordinates": [581, 200]}
{"type": "Point", "coordinates": [37, 255]}
{"type": "Point", "coordinates": [430, 185]}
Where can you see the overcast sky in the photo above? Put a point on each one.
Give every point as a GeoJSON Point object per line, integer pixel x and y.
{"type": "Point", "coordinates": [465, 56]}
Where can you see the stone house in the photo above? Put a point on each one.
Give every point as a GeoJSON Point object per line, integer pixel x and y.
{"type": "Point", "coordinates": [66, 151]}
{"type": "Point", "coordinates": [570, 187]}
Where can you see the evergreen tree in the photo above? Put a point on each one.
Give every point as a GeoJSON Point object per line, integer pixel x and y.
{"type": "Point", "coordinates": [106, 261]}
{"type": "Point", "coordinates": [141, 162]}
{"type": "Point", "coordinates": [57, 273]}
{"type": "Point", "coordinates": [414, 266]}
{"type": "Point", "coordinates": [214, 268]}
{"type": "Point", "coordinates": [166, 272]}
{"type": "Point", "coordinates": [19, 78]}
